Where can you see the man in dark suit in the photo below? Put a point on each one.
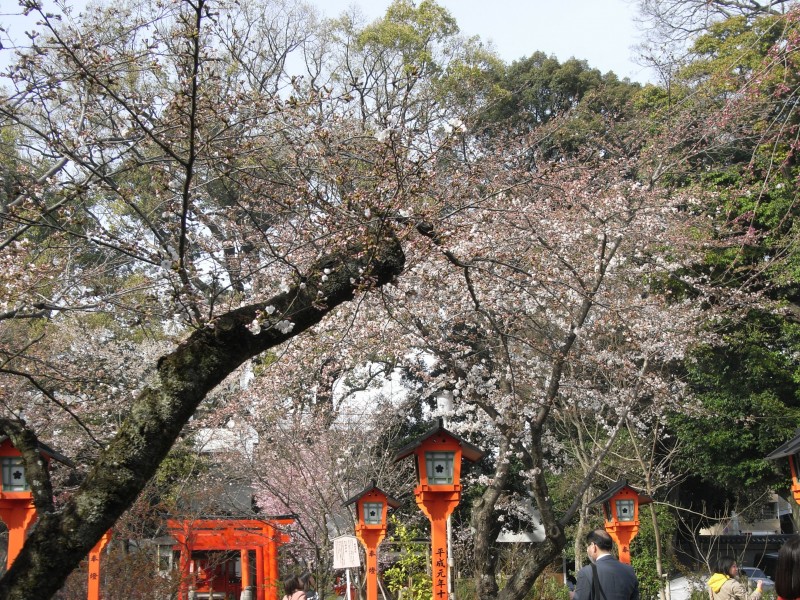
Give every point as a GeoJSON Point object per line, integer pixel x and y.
{"type": "Point", "coordinates": [617, 580]}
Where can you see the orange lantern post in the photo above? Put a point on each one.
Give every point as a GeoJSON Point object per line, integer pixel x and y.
{"type": "Point", "coordinates": [93, 588]}
{"type": "Point", "coordinates": [437, 456]}
{"type": "Point", "coordinates": [791, 450]}
{"type": "Point", "coordinates": [372, 506]}
{"type": "Point", "coordinates": [16, 499]}
{"type": "Point", "coordinates": [621, 511]}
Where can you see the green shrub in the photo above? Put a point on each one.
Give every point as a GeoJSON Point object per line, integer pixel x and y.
{"type": "Point", "coordinates": [548, 588]}
{"type": "Point", "coordinates": [408, 574]}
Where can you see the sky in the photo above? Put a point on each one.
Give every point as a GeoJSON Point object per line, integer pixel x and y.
{"type": "Point", "coordinates": [602, 32]}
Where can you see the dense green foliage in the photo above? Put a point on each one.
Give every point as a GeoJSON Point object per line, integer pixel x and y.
{"type": "Point", "coordinates": [407, 573]}
{"type": "Point", "coordinates": [643, 548]}
{"type": "Point", "coordinates": [534, 90]}
{"type": "Point", "coordinates": [746, 381]}
{"type": "Point", "coordinates": [749, 405]}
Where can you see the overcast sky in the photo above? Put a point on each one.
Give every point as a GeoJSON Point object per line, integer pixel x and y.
{"type": "Point", "coordinates": [601, 32]}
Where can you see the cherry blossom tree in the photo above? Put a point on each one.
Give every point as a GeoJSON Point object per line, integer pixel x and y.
{"type": "Point", "coordinates": [188, 211]}
{"type": "Point", "coordinates": [183, 197]}
{"type": "Point", "coordinates": [555, 310]}
{"type": "Point", "coordinates": [536, 297]}
{"type": "Point", "coordinates": [548, 288]}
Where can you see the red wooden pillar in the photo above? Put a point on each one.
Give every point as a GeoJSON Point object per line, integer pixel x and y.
{"type": "Point", "coordinates": [270, 578]}
{"type": "Point", "coordinates": [261, 584]}
{"type": "Point", "coordinates": [186, 570]}
{"type": "Point", "coordinates": [18, 515]}
{"type": "Point", "coordinates": [245, 560]}
{"type": "Point", "coordinates": [94, 567]}
{"type": "Point", "coordinates": [270, 572]}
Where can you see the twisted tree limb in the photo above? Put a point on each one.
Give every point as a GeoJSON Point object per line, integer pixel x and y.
{"type": "Point", "coordinates": [183, 378]}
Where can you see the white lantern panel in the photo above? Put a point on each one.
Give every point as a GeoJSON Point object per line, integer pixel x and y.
{"type": "Point", "coordinates": [14, 475]}
{"type": "Point", "coordinates": [439, 466]}
{"type": "Point", "coordinates": [625, 510]}
{"type": "Point", "coordinates": [373, 513]}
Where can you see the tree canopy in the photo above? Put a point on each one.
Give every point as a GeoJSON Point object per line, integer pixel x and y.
{"type": "Point", "coordinates": [215, 214]}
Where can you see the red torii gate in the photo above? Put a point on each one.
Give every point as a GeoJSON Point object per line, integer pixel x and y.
{"type": "Point", "coordinates": [263, 537]}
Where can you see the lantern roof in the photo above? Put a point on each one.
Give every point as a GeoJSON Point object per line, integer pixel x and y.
{"type": "Point", "coordinates": [787, 449]}
{"type": "Point", "coordinates": [468, 451]}
{"type": "Point", "coordinates": [46, 451]}
{"type": "Point", "coordinates": [617, 487]}
{"type": "Point", "coordinates": [372, 487]}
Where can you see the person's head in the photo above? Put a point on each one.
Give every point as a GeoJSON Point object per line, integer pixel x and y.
{"type": "Point", "coordinates": [598, 542]}
{"type": "Point", "coordinates": [307, 581]}
{"type": "Point", "coordinates": [291, 585]}
{"type": "Point", "coordinates": [727, 566]}
{"type": "Point", "coordinates": [787, 572]}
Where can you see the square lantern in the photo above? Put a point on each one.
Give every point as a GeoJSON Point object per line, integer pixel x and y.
{"type": "Point", "coordinates": [439, 466]}
{"type": "Point", "coordinates": [15, 478]}
{"type": "Point", "coordinates": [625, 510]}
{"type": "Point", "coordinates": [14, 475]}
{"type": "Point", "coordinates": [437, 458]}
{"type": "Point", "coordinates": [373, 513]}
{"type": "Point", "coordinates": [620, 504]}
{"type": "Point", "coordinates": [371, 507]}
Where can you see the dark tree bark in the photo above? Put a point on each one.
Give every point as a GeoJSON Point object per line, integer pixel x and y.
{"type": "Point", "coordinates": [536, 557]}
{"type": "Point", "coordinates": [540, 555]}
{"type": "Point", "coordinates": [61, 539]}
{"type": "Point", "coordinates": [487, 527]}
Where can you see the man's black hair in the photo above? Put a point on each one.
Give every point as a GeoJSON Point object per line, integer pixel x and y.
{"type": "Point", "coordinates": [601, 538]}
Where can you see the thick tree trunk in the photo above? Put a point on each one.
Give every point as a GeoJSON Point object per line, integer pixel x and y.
{"type": "Point", "coordinates": [536, 557]}
{"type": "Point", "coordinates": [486, 528]}
{"type": "Point", "coordinates": [62, 539]}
